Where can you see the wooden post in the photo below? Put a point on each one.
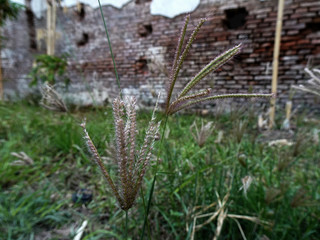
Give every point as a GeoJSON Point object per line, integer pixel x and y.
{"type": "Point", "coordinates": [49, 6]}
{"type": "Point", "coordinates": [78, 6]}
{"type": "Point", "coordinates": [51, 26]}
{"type": "Point", "coordinates": [276, 62]}
{"type": "Point", "coordinates": [53, 29]}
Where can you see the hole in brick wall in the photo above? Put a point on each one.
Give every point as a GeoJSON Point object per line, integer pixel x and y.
{"type": "Point", "coordinates": [144, 30]}
{"type": "Point", "coordinates": [235, 18]}
{"type": "Point", "coordinates": [314, 25]}
{"type": "Point", "coordinates": [142, 1]}
{"type": "Point", "coordinates": [81, 12]}
{"type": "Point", "coordinates": [84, 40]}
{"type": "Point", "coordinates": [141, 66]}
{"type": "Point", "coordinates": [31, 26]}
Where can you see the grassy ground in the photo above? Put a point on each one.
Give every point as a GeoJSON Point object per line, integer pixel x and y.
{"type": "Point", "coordinates": [36, 195]}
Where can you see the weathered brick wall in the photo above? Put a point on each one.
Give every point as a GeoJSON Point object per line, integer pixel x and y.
{"type": "Point", "coordinates": [144, 47]}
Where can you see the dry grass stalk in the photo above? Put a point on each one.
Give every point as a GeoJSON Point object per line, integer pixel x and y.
{"type": "Point", "coordinates": [221, 214]}
{"type": "Point", "coordinates": [219, 137]}
{"type": "Point", "coordinates": [246, 183]}
{"type": "Point", "coordinates": [201, 135]}
{"type": "Point", "coordinates": [132, 164]}
{"type": "Point", "coordinates": [280, 143]}
{"type": "Point", "coordinates": [185, 98]}
{"type": "Point", "coordinates": [313, 84]}
{"type": "Point", "coordinates": [23, 159]}
{"type": "Point", "coordinates": [51, 99]}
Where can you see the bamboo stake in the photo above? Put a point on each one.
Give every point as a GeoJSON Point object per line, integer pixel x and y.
{"type": "Point", "coordinates": [48, 27]}
{"type": "Point", "coordinates": [78, 6]}
{"type": "Point", "coordinates": [276, 62]}
{"type": "Point", "coordinates": [51, 26]}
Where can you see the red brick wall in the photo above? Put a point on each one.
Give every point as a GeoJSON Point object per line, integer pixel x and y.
{"type": "Point", "coordinates": [136, 47]}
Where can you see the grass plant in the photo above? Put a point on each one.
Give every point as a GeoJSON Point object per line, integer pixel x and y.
{"type": "Point", "coordinates": [198, 191]}
{"type": "Point", "coordinates": [188, 178]}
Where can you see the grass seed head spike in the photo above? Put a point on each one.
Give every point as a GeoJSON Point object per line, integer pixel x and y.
{"type": "Point", "coordinates": [182, 57]}
{"type": "Point", "coordinates": [131, 169]}
{"type": "Point", "coordinates": [212, 66]}
{"type": "Point", "coordinates": [216, 97]}
{"type": "Point", "coordinates": [184, 100]}
{"type": "Point", "coordinates": [176, 57]}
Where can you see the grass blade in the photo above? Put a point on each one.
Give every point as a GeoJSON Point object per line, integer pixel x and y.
{"type": "Point", "coordinates": [148, 206]}
{"type": "Point", "coordinates": [109, 43]}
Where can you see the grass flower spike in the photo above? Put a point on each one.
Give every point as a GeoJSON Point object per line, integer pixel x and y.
{"type": "Point", "coordinates": [186, 99]}
{"type": "Point", "coordinates": [132, 164]}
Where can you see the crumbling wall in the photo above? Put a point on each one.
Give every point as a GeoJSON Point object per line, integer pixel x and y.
{"type": "Point", "coordinates": [144, 46]}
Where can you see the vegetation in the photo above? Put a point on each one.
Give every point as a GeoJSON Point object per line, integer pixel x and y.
{"type": "Point", "coordinates": [8, 10]}
{"type": "Point", "coordinates": [282, 201]}
{"type": "Point", "coordinates": [201, 185]}
{"type": "Point", "coordinates": [50, 69]}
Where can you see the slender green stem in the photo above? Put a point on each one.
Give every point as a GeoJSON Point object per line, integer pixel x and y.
{"type": "Point", "coordinates": [145, 211]}
{"type": "Point", "coordinates": [109, 43]}
{"type": "Point", "coordinates": [148, 206]}
{"type": "Point", "coordinates": [126, 230]}
{"type": "Point", "coordinates": [177, 56]}
{"type": "Point", "coordinates": [154, 179]}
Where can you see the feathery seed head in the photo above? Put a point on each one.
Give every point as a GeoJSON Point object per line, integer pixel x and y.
{"type": "Point", "coordinates": [132, 165]}
{"type": "Point", "coordinates": [51, 99]}
{"type": "Point", "coordinates": [184, 99]}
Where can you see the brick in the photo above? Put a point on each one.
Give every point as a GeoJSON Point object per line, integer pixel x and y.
{"type": "Point", "coordinates": [266, 77]}
{"type": "Point", "coordinates": [252, 25]}
{"type": "Point", "coordinates": [290, 23]}
{"type": "Point", "coordinates": [301, 10]}
{"type": "Point", "coordinates": [303, 41]}
{"type": "Point", "coordinates": [292, 32]}
{"type": "Point", "coordinates": [296, 26]}
{"type": "Point", "coordinates": [261, 16]}
{"type": "Point", "coordinates": [305, 20]}
{"type": "Point", "coordinates": [310, 4]}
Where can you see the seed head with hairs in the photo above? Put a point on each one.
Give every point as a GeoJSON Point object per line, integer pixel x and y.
{"type": "Point", "coordinates": [132, 164]}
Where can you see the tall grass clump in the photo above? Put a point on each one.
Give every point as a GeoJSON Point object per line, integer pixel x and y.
{"type": "Point", "coordinates": [191, 180]}
{"type": "Point", "coordinates": [132, 165]}
{"type": "Point", "coordinates": [188, 96]}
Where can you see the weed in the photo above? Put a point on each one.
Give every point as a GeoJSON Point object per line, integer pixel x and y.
{"type": "Point", "coordinates": [50, 69]}
{"type": "Point", "coordinates": [201, 134]}
{"type": "Point", "coordinates": [131, 170]}
{"type": "Point", "coordinates": [188, 177]}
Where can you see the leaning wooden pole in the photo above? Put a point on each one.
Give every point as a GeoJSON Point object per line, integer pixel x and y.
{"type": "Point", "coordinates": [276, 62]}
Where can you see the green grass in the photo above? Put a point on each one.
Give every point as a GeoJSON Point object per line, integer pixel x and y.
{"type": "Point", "coordinates": [36, 199]}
